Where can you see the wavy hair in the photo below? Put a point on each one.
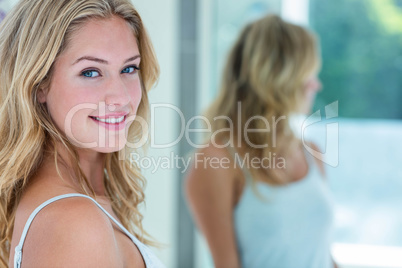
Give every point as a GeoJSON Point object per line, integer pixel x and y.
{"type": "Point", "coordinates": [264, 76]}
{"type": "Point", "coordinates": [32, 36]}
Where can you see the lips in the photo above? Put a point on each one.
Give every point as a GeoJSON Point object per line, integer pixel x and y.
{"type": "Point", "coordinates": [110, 120]}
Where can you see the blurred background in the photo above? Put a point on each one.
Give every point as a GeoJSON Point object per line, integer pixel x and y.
{"type": "Point", "coordinates": [361, 43]}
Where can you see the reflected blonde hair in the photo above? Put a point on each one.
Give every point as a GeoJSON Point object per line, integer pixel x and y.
{"type": "Point", "coordinates": [32, 36]}
{"type": "Point", "coordinates": [265, 73]}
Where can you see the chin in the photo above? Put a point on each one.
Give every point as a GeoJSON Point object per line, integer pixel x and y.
{"type": "Point", "coordinates": [106, 150]}
{"type": "Point", "coordinates": [111, 148]}
{"type": "Point", "coordinates": [307, 110]}
{"type": "Point", "coordinates": [100, 147]}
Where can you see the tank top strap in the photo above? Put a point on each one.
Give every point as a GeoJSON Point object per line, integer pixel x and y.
{"type": "Point", "coordinates": [18, 248]}
{"type": "Point", "coordinates": [239, 162]}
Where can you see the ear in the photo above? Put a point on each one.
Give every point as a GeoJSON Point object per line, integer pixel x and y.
{"type": "Point", "coordinates": [41, 95]}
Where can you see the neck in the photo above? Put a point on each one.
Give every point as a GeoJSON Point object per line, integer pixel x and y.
{"type": "Point", "coordinates": [91, 163]}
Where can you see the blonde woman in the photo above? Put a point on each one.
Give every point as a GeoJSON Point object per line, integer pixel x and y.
{"type": "Point", "coordinates": [74, 75]}
{"type": "Point", "coordinates": [257, 196]}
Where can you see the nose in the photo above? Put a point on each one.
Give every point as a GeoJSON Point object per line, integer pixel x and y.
{"type": "Point", "coordinates": [117, 93]}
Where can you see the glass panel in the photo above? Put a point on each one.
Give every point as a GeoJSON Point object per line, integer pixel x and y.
{"type": "Point", "coordinates": [362, 51]}
{"type": "Point", "coordinates": [228, 20]}
{"type": "Point", "coordinates": [362, 62]}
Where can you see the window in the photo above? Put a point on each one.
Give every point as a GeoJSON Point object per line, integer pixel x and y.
{"type": "Point", "coordinates": [362, 50]}
{"type": "Point", "coordinates": [361, 42]}
{"type": "Point", "coordinates": [362, 61]}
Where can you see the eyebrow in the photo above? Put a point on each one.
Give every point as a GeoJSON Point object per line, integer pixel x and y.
{"type": "Point", "coordinates": [102, 61]}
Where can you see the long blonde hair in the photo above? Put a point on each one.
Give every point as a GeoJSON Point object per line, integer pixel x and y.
{"type": "Point", "coordinates": [264, 76]}
{"type": "Point", "coordinates": [32, 36]}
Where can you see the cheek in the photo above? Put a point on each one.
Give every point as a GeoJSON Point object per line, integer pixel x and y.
{"type": "Point", "coordinates": [312, 88]}
{"type": "Point", "coordinates": [314, 85]}
{"type": "Point", "coordinates": [68, 108]}
{"type": "Point", "coordinates": [311, 92]}
{"type": "Point", "coordinates": [136, 96]}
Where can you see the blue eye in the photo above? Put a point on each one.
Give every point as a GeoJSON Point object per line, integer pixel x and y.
{"type": "Point", "coordinates": [90, 73]}
{"type": "Point", "coordinates": [130, 69]}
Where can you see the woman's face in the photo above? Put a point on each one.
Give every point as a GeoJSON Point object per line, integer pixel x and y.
{"type": "Point", "coordinates": [95, 89]}
{"type": "Point", "coordinates": [312, 86]}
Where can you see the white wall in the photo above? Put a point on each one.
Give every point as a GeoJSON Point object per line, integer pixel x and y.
{"type": "Point", "coordinates": [161, 19]}
{"type": "Point", "coordinates": [6, 5]}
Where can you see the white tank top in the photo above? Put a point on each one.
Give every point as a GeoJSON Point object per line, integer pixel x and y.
{"type": "Point", "coordinates": [289, 227]}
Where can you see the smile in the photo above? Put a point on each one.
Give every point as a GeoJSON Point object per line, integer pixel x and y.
{"type": "Point", "coordinates": [110, 120]}
{"type": "Point", "coordinates": [111, 123]}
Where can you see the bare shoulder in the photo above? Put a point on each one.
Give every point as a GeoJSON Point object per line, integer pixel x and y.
{"type": "Point", "coordinates": [71, 232]}
{"type": "Point", "coordinates": [212, 175]}
{"type": "Point", "coordinates": [211, 165]}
